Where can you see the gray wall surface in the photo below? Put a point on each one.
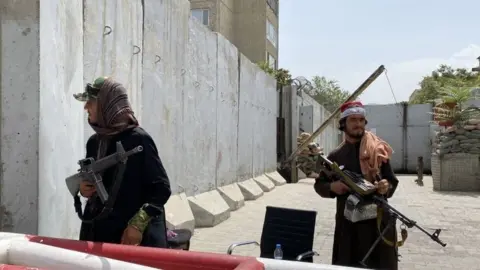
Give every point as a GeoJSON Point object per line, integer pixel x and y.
{"type": "Point", "coordinates": [408, 131]}
{"type": "Point", "coordinates": [329, 138]}
{"type": "Point", "coordinates": [211, 112]}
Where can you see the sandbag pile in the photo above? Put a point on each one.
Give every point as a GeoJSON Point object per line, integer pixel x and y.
{"type": "Point", "coordinates": [454, 139]}
{"type": "Point", "coordinates": [307, 159]}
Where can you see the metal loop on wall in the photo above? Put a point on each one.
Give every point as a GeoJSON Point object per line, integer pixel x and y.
{"type": "Point", "coordinates": [211, 88]}
{"type": "Point", "coordinates": [107, 30]}
{"type": "Point", "coordinates": [157, 59]}
{"type": "Point", "coordinates": [195, 188]}
{"type": "Point", "coordinates": [211, 186]}
{"type": "Point", "coordinates": [138, 50]}
{"type": "Point", "coordinates": [196, 84]}
{"type": "Point", "coordinates": [181, 188]}
{"type": "Point", "coordinates": [183, 71]}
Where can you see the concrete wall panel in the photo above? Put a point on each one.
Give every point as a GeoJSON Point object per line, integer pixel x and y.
{"type": "Point", "coordinates": [200, 112]}
{"type": "Point", "coordinates": [126, 58]}
{"type": "Point", "coordinates": [227, 112]}
{"type": "Point", "coordinates": [98, 50]}
{"type": "Point", "coordinates": [418, 123]}
{"type": "Point", "coordinates": [257, 108]}
{"type": "Point", "coordinates": [19, 66]}
{"type": "Point", "coordinates": [270, 131]}
{"type": "Point", "coordinates": [164, 61]}
{"type": "Point", "coordinates": [60, 130]}
{"type": "Point", "coordinates": [246, 118]}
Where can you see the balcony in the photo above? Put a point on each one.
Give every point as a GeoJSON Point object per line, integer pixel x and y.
{"type": "Point", "coordinates": [273, 4]}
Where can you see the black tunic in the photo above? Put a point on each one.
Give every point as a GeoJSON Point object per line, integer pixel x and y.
{"type": "Point", "coordinates": [353, 240]}
{"type": "Point", "coordinates": [144, 181]}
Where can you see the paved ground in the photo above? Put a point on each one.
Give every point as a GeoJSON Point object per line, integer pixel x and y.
{"type": "Point", "coordinates": [458, 214]}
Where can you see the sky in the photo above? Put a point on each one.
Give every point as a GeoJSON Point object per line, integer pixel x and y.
{"type": "Point", "coordinates": [347, 40]}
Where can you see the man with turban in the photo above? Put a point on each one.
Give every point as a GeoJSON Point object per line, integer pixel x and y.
{"type": "Point", "coordinates": [363, 153]}
{"type": "Point", "coordinates": [138, 215]}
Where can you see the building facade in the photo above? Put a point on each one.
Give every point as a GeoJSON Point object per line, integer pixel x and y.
{"type": "Point", "coordinates": [251, 25]}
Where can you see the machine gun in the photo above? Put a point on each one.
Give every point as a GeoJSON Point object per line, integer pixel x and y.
{"type": "Point", "coordinates": [365, 192]}
{"type": "Point", "coordinates": [90, 170]}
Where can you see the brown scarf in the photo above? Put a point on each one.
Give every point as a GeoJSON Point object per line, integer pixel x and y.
{"type": "Point", "coordinates": [114, 114]}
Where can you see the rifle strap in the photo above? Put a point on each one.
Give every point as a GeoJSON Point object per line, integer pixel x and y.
{"type": "Point", "coordinates": [108, 207]}
{"type": "Point", "coordinates": [403, 231]}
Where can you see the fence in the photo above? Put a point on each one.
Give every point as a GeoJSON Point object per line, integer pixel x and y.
{"type": "Point", "coordinates": [211, 111]}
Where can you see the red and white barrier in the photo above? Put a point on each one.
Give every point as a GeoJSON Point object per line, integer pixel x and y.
{"type": "Point", "coordinates": [17, 267]}
{"type": "Point", "coordinates": [271, 264]}
{"type": "Point", "coordinates": [15, 249]}
{"type": "Point", "coordinates": [56, 253]}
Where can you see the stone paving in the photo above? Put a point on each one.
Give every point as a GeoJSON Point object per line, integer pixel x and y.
{"type": "Point", "coordinates": [457, 214]}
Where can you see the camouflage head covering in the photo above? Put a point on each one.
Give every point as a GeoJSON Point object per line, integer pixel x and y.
{"type": "Point", "coordinates": [91, 90]}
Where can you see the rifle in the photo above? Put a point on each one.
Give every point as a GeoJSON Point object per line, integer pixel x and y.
{"type": "Point", "coordinates": [91, 169]}
{"type": "Point", "coordinates": [365, 192]}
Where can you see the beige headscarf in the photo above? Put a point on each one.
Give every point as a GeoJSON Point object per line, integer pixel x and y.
{"type": "Point", "coordinates": [114, 114]}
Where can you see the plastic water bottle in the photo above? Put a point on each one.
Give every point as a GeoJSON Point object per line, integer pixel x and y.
{"type": "Point", "coordinates": [278, 253]}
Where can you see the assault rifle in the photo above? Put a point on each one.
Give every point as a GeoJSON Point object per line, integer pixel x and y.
{"type": "Point", "coordinates": [90, 170]}
{"type": "Point", "coordinates": [365, 192]}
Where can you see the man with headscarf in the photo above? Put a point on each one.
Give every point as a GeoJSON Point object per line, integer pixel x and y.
{"type": "Point", "coordinates": [138, 214]}
{"type": "Point", "coordinates": [360, 149]}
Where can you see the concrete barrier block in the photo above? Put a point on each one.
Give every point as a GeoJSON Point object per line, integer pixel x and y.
{"type": "Point", "coordinates": [264, 183]}
{"type": "Point", "coordinates": [178, 213]}
{"type": "Point", "coordinates": [276, 178]}
{"type": "Point", "coordinates": [209, 209]}
{"type": "Point", "coordinates": [301, 174]}
{"type": "Point", "coordinates": [232, 195]}
{"type": "Point", "coordinates": [250, 190]}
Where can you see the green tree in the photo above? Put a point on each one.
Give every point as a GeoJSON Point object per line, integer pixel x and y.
{"type": "Point", "coordinates": [327, 92]}
{"type": "Point", "coordinates": [442, 79]}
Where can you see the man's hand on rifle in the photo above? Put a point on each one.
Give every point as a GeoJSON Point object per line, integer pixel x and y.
{"type": "Point", "coordinates": [87, 189]}
{"type": "Point", "coordinates": [382, 186]}
{"type": "Point", "coordinates": [339, 188]}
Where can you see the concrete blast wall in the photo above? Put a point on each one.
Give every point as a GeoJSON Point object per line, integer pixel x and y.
{"type": "Point", "coordinates": [312, 115]}
{"type": "Point", "coordinates": [211, 111]}
{"type": "Point", "coordinates": [407, 129]}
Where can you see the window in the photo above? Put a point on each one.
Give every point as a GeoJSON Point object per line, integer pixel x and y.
{"type": "Point", "coordinates": [271, 33]}
{"type": "Point", "coordinates": [201, 15]}
{"type": "Point", "coordinates": [271, 61]}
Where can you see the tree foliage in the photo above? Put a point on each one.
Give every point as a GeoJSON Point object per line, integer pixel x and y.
{"type": "Point", "coordinates": [443, 79]}
{"type": "Point", "coordinates": [327, 92]}
{"type": "Point", "coordinates": [282, 76]}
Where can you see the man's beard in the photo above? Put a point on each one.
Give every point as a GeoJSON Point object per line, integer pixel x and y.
{"type": "Point", "coordinates": [355, 135]}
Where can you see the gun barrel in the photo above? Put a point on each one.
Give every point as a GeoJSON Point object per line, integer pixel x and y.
{"type": "Point", "coordinates": [408, 222]}
{"type": "Point", "coordinates": [114, 158]}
